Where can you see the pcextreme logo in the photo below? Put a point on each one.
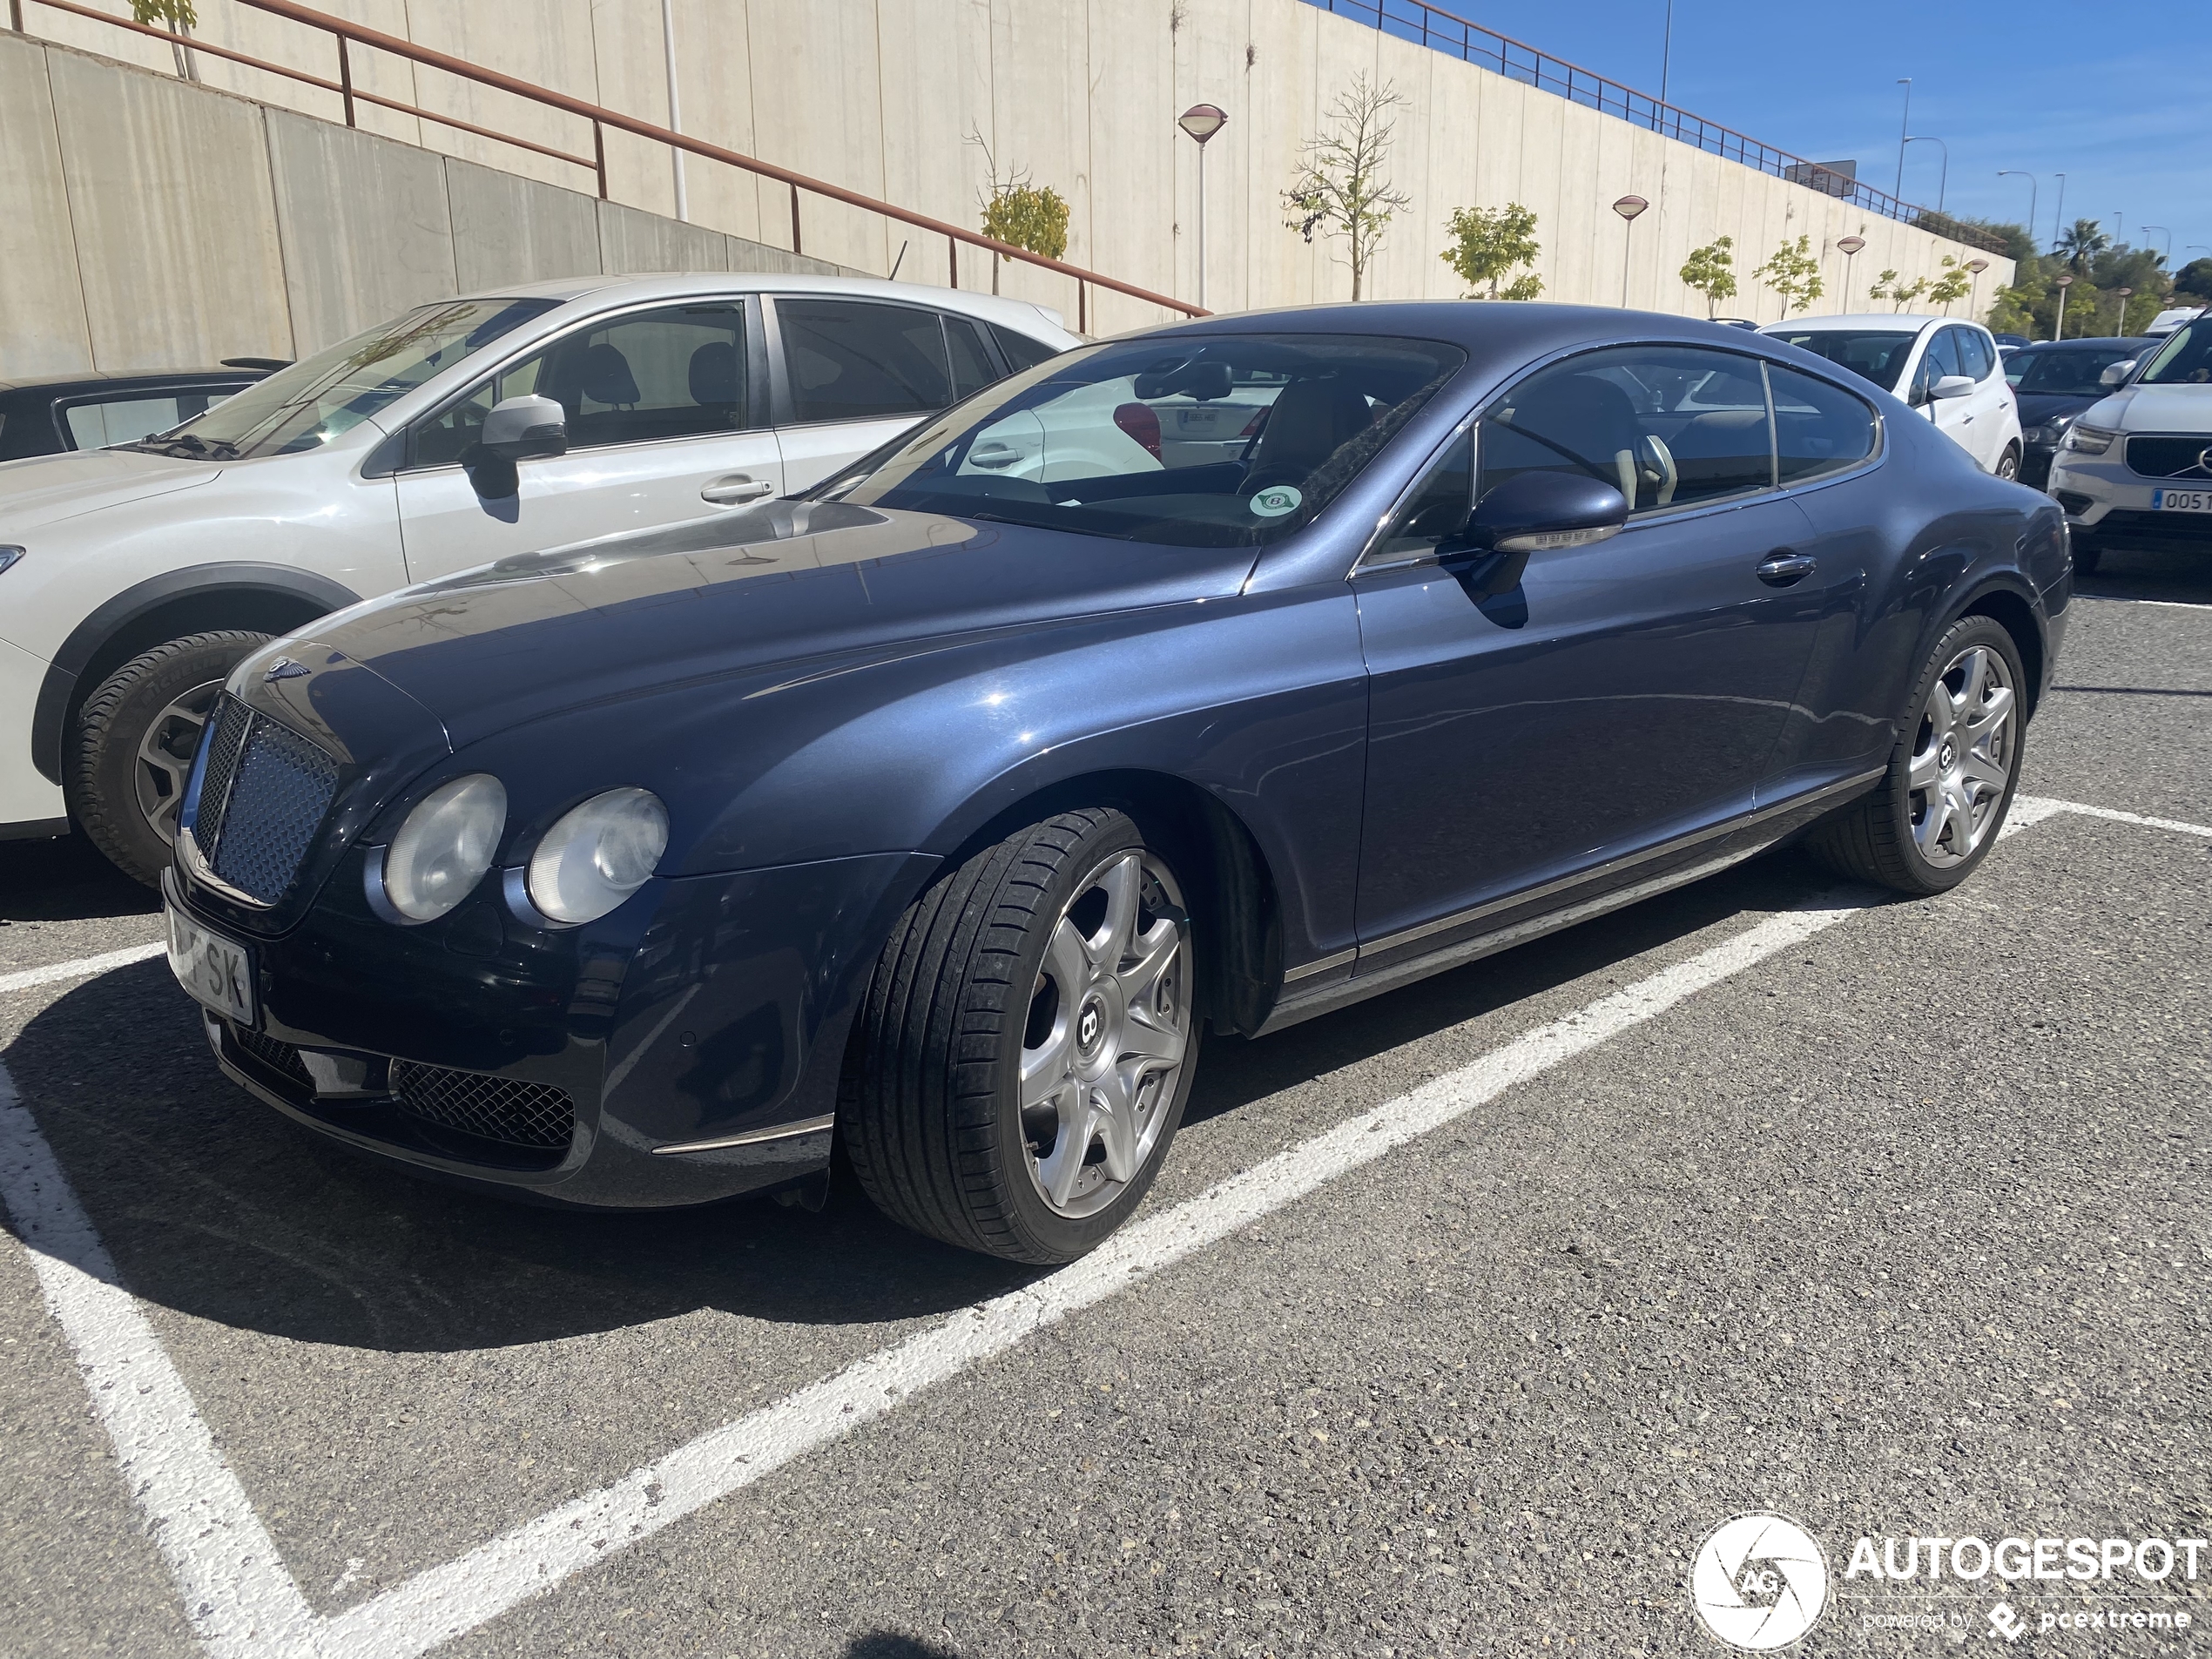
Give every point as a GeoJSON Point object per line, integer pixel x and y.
{"type": "Point", "coordinates": [1758, 1581]}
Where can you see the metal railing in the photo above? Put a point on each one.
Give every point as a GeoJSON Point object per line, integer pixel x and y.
{"type": "Point", "coordinates": [1445, 31]}
{"type": "Point", "coordinates": [347, 35]}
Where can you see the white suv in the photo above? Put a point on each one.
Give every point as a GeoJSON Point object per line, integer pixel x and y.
{"type": "Point", "coordinates": [132, 579]}
{"type": "Point", "coordinates": [2136, 470]}
{"type": "Point", "coordinates": [1947, 370]}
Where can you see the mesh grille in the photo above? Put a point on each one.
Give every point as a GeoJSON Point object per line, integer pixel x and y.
{"type": "Point", "coordinates": [2167, 457]}
{"type": "Point", "coordinates": [222, 762]}
{"type": "Point", "coordinates": [280, 1057]}
{"type": "Point", "coordinates": [283, 788]}
{"type": "Point", "coordinates": [498, 1109]}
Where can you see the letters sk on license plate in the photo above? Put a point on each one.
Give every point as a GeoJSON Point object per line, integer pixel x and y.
{"type": "Point", "coordinates": [2181, 501]}
{"type": "Point", "coordinates": [214, 969]}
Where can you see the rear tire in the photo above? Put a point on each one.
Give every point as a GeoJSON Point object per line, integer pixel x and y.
{"type": "Point", "coordinates": [1939, 808]}
{"type": "Point", "coordinates": [136, 736]}
{"type": "Point", "coordinates": [2009, 465]}
{"type": "Point", "coordinates": [1021, 1058]}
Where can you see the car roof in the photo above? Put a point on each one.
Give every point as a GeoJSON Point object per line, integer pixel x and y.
{"type": "Point", "coordinates": [94, 378]}
{"type": "Point", "coordinates": [1892, 322]}
{"type": "Point", "coordinates": [677, 284]}
{"type": "Point", "coordinates": [2130, 342]}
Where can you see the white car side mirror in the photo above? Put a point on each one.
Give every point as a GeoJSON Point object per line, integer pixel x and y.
{"type": "Point", "coordinates": [519, 427]}
{"type": "Point", "coordinates": [2116, 373]}
{"type": "Point", "coordinates": [1953, 385]}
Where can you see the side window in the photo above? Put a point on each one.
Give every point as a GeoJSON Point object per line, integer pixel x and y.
{"type": "Point", "coordinates": [1976, 357]}
{"type": "Point", "coordinates": [1819, 428]}
{"type": "Point", "coordinates": [972, 367]}
{"type": "Point", "coordinates": [852, 361]}
{"type": "Point", "coordinates": [1020, 350]}
{"type": "Point", "coordinates": [1438, 510]}
{"type": "Point", "coordinates": [655, 375]}
{"type": "Point", "coordinates": [1941, 358]}
{"type": "Point", "coordinates": [1668, 426]}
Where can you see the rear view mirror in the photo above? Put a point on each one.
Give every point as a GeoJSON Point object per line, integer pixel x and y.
{"type": "Point", "coordinates": [1199, 380]}
{"type": "Point", "coordinates": [1953, 385]}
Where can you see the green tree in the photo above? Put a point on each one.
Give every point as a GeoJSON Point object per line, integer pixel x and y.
{"type": "Point", "coordinates": [1951, 286]}
{"type": "Point", "coordinates": [2082, 242]}
{"type": "Point", "coordinates": [1019, 213]}
{"type": "Point", "coordinates": [1710, 271]}
{"type": "Point", "coordinates": [2194, 282]}
{"type": "Point", "coordinates": [1890, 286]}
{"type": "Point", "coordinates": [1792, 272]}
{"type": "Point", "coordinates": [1340, 189]}
{"type": "Point", "coordinates": [1487, 243]}
{"type": "Point", "coordinates": [175, 15]}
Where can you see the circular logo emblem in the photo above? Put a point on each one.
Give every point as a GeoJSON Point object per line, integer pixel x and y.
{"type": "Point", "coordinates": [1758, 1583]}
{"type": "Point", "coordinates": [2204, 459]}
{"type": "Point", "coordinates": [1087, 1026]}
{"type": "Point", "coordinates": [1276, 499]}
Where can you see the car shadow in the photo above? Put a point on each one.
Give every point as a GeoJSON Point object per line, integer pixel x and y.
{"type": "Point", "coordinates": [66, 880]}
{"type": "Point", "coordinates": [213, 1205]}
{"type": "Point", "coordinates": [2181, 575]}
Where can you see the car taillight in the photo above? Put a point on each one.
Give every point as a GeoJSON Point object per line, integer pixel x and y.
{"type": "Point", "coordinates": [1142, 423]}
{"type": "Point", "coordinates": [1252, 426]}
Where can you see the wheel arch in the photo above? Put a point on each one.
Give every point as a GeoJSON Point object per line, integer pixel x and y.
{"type": "Point", "coordinates": [2012, 610]}
{"type": "Point", "coordinates": [271, 598]}
{"type": "Point", "coordinates": [1237, 902]}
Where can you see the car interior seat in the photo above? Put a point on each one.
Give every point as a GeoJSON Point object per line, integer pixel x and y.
{"type": "Point", "coordinates": [1573, 419]}
{"type": "Point", "coordinates": [713, 377]}
{"type": "Point", "coordinates": [606, 377]}
{"type": "Point", "coordinates": [1309, 422]}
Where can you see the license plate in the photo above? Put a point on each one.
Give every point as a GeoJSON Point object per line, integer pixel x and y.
{"type": "Point", "coordinates": [218, 971]}
{"type": "Point", "coordinates": [2181, 501]}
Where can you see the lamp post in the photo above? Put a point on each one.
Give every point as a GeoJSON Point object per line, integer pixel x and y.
{"type": "Point", "coordinates": [1667, 51]}
{"type": "Point", "coordinates": [2125, 295]}
{"type": "Point", "coordinates": [675, 119]}
{"type": "Point", "coordinates": [2033, 190]}
{"type": "Point", "coordinates": [1943, 179]}
{"type": "Point", "coordinates": [1201, 122]}
{"type": "Point", "coordinates": [2147, 229]}
{"type": "Point", "coordinates": [1974, 299]}
{"type": "Point", "coordinates": [2058, 331]}
{"type": "Point", "coordinates": [1849, 246]}
{"type": "Point", "coordinates": [1904, 126]}
{"type": "Point", "coordinates": [2058, 218]}
{"type": "Point", "coordinates": [1627, 208]}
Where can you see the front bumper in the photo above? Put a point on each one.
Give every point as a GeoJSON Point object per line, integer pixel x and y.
{"type": "Point", "coordinates": [707, 1014]}
{"type": "Point", "coordinates": [30, 802]}
{"type": "Point", "coordinates": [2108, 503]}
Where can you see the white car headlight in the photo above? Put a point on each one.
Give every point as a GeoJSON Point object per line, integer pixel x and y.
{"type": "Point", "coordinates": [2089, 440]}
{"type": "Point", "coordinates": [441, 852]}
{"type": "Point", "coordinates": [598, 855]}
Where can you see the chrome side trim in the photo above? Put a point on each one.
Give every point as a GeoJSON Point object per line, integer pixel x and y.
{"type": "Point", "coordinates": [1322, 965]}
{"type": "Point", "coordinates": [1627, 862]}
{"type": "Point", "coordinates": [754, 1137]}
{"type": "Point", "coordinates": [197, 867]}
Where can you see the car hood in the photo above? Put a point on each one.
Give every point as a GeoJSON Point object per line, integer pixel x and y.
{"type": "Point", "coordinates": [2038, 407]}
{"type": "Point", "coordinates": [787, 590]}
{"type": "Point", "coordinates": [2156, 408]}
{"type": "Point", "coordinates": [45, 490]}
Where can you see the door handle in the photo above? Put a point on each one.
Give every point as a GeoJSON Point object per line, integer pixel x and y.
{"type": "Point", "coordinates": [1783, 568]}
{"type": "Point", "coordinates": [736, 490]}
{"type": "Point", "coordinates": [998, 454]}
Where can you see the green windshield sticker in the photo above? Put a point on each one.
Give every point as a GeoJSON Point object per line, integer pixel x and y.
{"type": "Point", "coordinates": [1276, 501]}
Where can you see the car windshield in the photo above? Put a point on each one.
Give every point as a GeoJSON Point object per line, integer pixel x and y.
{"type": "Point", "coordinates": [1877, 355]}
{"type": "Point", "coordinates": [315, 400]}
{"type": "Point", "coordinates": [1193, 441]}
{"type": "Point", "coordinates": [2184, 360]}
{"type": "Point", "coordinates": [2061, 372]}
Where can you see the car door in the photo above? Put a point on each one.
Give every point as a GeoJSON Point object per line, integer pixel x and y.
{"type": "Point", "coordinates": [1953, 416]}
{"type": "Point", "coordinates": [666, 421]}
{"type": "Point", "coordinates": [1625, 694]}
{"type": "Point", "coordinates": [853, 375]}
{"type": "Point", "coordinates": [1995, 415]}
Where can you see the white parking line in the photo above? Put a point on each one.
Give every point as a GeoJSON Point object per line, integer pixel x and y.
{"type": "Point", "coordinates": [2122, 599]}
{"type": "Point", "coordinates": [83, 967]}
{"type": "Point", "coordinates": [242, 1601]}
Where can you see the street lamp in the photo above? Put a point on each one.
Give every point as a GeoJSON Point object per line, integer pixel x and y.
{"type": "Point", "coordinates": [2033, 190]}
{"type": "Point", "coordinates": [2058, 331]}
{"type": "Point", "coordinates": [1943, 179]}
{"type": "Point", "coordinates": [1201, 122]}
{"type": "Point", "coordinates": [1974, 299]}
{"type": "Point", "coordinates": [1627, 208]}
{"type": "Point", "coordinates": [2170, 239]}
{"type": "Point", "coordinates": [1904, 126]}
{"type": "Point", "coordinates": [2058, 218]}
{"type": "Point", "coordinates": [1849, 246]}
{"type": "Point", "coordinates": [675, 118]}
{"type": "Point", "coordinates": [2125, 294]}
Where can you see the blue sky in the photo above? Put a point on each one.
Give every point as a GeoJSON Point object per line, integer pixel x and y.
{"type": "Point", "coordinates": [2118, 99]}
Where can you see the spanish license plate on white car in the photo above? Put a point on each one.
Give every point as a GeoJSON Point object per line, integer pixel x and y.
{"type": "Point", "coordinates": [218, 971]}
{"type": "Point", "coordinates": [2181, 501]}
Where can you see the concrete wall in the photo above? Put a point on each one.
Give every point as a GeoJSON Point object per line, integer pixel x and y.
{"type": "Point", "coordinates": [882, 97]}
{"type": "Point", "coordinates": [147, 223]}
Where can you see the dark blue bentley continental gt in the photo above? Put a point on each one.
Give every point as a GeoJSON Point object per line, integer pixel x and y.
{"type": "Point", "coordinates": [1214, 678]}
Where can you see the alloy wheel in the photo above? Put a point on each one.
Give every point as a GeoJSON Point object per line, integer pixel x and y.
{"type": "Point", "coordinates": [1962, 757]}
{"type": "Point", "coordinates": [165, 751]}
{"type": "Point", "coordinates": [1108, 1032]}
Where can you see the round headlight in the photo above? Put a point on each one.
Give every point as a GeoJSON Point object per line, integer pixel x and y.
{"type": "Point", "coordinates": [443, 849]}
{"type": "Point", "coordinates": [598, 855]}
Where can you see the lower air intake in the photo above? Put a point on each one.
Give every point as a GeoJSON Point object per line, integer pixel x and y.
{"type": "Point", "coordinates": [506, 1109]}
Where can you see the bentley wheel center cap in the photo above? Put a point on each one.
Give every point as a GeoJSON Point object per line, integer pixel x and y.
{"type": "Point", "coordinates": [1089, 1026]}
{"type": "Point", "coordinates": [1949, 756]}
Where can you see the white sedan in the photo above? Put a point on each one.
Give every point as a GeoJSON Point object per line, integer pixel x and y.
{"type": "Point", "coordinates": [1947, 370]}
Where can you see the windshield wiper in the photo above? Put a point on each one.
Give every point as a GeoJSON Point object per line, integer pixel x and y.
{"type": "Point", "coordinates": [185, 447]}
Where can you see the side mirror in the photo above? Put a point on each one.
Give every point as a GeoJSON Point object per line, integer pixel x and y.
{"type": "Point", "coordinates": [2116, 373]}
{"type": "Point", "coordinates": [1537, 512]}
{"type": "Point", "coordinates": [520, 427]}
{"type": "Point", "coordinates": [1953, 385]}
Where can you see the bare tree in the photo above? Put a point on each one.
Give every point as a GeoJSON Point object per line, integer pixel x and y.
{"type": "Point", "coordinates": [1340, 190]}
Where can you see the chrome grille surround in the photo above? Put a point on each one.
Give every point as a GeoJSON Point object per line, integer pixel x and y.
{"type": "Point", "coordinates": [264, 795]}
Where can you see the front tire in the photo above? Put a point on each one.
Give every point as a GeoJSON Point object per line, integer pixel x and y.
{"type": "Point", "coordinates": [1938, 810]}
{"type": "Point", "coordinates": [1021, 1060]}
{"type": "Point", "coordinates": [136, 736]}
{"type": "Point", "coordinates": [2009, 465]}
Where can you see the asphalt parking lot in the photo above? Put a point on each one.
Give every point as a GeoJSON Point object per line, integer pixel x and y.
{"type": "Point", "coordinates": [1469, 1312]}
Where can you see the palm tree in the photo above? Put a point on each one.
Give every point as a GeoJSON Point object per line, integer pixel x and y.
{"type": "Point", "coordinates": [2082, 243]}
